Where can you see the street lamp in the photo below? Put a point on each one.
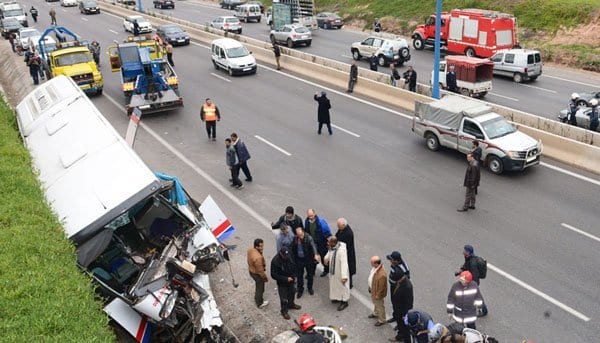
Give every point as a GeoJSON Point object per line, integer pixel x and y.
{"type": "Point", "coordinates": [435, 92]}
{"type": "Point", "coordinates": [140, 6]}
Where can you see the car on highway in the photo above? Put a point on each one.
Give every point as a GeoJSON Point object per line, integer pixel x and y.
{"type": "Point", "coordinates": [164, 4]}
{"type": "Point", "coordinates": [88, 7]}
{"type": "Point", "coordinates": [328, 20]}
{"type": "Point", "coordinates": [145, 26]}
{"type": "Point", "coordinates": [230, 4]}
{"type": "Point", "coordinates": [173, 34]}
{"type": "Point", "coordinates": [27, 34]}
{"type": "Point", "coordinates": [519, 64]}
{"type": "Point", "coordinates": [232, 56]}
{"type": "Point", "coordinates": [387, 50]}
{"type": "Point", "coordinates": [248, 12]}
{"type": "Point", "coordinates": [582, 115]}
{"type": "Point", "coordinates": [584, 98]}
{"type": "Point", "coordinates": [68, 3]}
{"type": "Point", "coordinates": [291, 35]}
{"type": "Point", "coordinates": [260, 4]}
{"type": "Point", "coordinates": [227, 23]}
{"type": "Point", "coordinates": [127, 2]}
{"type": "Point", "coordinates": [9, 25]}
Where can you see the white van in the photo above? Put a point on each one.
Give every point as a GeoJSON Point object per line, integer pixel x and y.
{"type": "Point", "coordinates": [247, 12]}
{"type": "Point", "coordinates": [231, 55]}
{"type": "Point", "coordinates": [138, 234]}
{"type": "Point", "coordinates": [519, 64]}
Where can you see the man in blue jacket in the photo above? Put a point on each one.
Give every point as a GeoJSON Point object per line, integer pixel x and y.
{"type": "Point", "coordinates": [243, 155]}
{"type": "Point", "coordinates": [319, 231]}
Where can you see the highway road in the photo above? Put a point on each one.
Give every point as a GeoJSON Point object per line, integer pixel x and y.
{"type": "Point", "coordinates": [537, 229]}
{"type": "Point", "coordinates": [544, 97]}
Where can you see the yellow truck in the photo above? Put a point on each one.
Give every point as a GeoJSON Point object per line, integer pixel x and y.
{"type": "Point", "coordinates": [73, 59]}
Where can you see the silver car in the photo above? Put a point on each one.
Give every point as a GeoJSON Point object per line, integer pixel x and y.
{"type": "Point", "coordinates": [582, 115]}
{"type": "Point", "coordinates": [291, 35]}
{"type": "Point", "coordinates": [227, 23]}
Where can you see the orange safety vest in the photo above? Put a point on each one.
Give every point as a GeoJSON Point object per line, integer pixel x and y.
{"type": "Point", "coordinates": [210, 112]}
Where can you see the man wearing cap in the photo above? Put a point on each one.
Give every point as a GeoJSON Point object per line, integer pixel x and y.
{"type": "Point", "coordinates": [283, 271]}
{"type": "Point", "coordinates": [323, 112]}
{"type": "Point", "coordinates": [401, 293]}
{"type": "Point", "coordinates": [472, 266]}
{"type": "Point", "coordinates": [419, 322]}
{"type": "Point", "coordinates": [209, 113]}
{"type": "Point", "coordinates": [337, 260]}
{"type": "Point", "coordinates": [463, 300]}
{"type": "Point", "coordinates": [288, 218]}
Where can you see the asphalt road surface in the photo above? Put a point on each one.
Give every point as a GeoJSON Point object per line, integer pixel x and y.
{"type": "Point", "coordinates": [537, 229]}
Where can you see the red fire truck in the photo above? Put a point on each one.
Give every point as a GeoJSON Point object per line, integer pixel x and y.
{"type": "Point", "coordinates": [472, 32]}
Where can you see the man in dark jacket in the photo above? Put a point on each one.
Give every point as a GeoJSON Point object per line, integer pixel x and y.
{"type": "Point", "coordinates": [346, 235]}
{"type": "Point", "coordinates": [476, 151]}
{"type": "Point", "coordinates": [277, 52]}
{"type": "Point", "coordinates": [410, 77]}
{"type": "Point", "coordinates": [306, 257]}
{"type": "Point", "coordinates": [353, 77]}
{"type": "Point", "coordinates": [233, 164]}
{"type": "Point", "coordinates": [451, 80]}
{"type": "Point", "coordinates": [373, 63]}
{"type": "Point", "coordinates": [472, 266]}
{"type": "Point", "coordinates": [573, 107]}
{"type": "Point", "coordinates": [323, 112]}
{"type": "Point", "coordinates": [289, 218]}
{"type": "Point", "coordinates": [319, 230]}
{"type": "Point", "coordinates": [136, 28]}
{"type": "Point", "coordinates": [243, 155]}
{"type": "Point", "coordinates": [463, 300]}
{"type": "Point", "coordinates": [471, 183]}
{"type": "Point", "coordinates": [419, 324]}
{"type": "Point", "coordinates": [283, 271]}
{"type": "Point", "coordinates": [401, 293]}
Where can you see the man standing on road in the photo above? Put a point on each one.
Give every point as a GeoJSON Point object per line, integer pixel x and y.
{"type": "Point", "coordinates": [410, 77]}
{"type": "Point", "coordinates": [289, 218]}
{"type": "Point", "coordinates": [323, 112]}
{"type": "Point", "coordinates": [476, 151]}
{"type": "Point", "coordinates": [34, 13]}
{"type": "Point", "coordinates": [594, 115]}
{"type": "Point", "coordinates": [346, 235]}
{"type": "Point", "coordinates": [232, 162]}
{"type": "Point", "coordinates": [337, 260]}
{"type": "Point", "coordinates": [401, 294]}
{"type": "Point", "coordinates": [34, 64]}
{"type": "Point", "coordinates": [463, 300]}
{"type": "Point", "coordinates": [573, 107]}
{"type": "Point", "coordinates": [11, 39]}
{"type": "Point", "coordinates": [353, 77]}
{"type": "Point", "coordinates": [393, 75]}
{"type": "Point", "coordinates": [52, 16]}
{"type": "Point", "coordinates": [319, 230]}
{"type": "Point", "coordinates": [451, 79]}
{"type": "Point", "coordinates": [306, 258]}
{"type": "Point", "coordinates": [283, 271]}
{"type": "Point", "coordinates": [471, 183]}
{"type": "Point", "coordinates": [378, 289]}
{"type": "Point", "coordinates": [472, 266]}
{"type": "Point", "coordinates": [277, 52]}
{"type": "Point", "coordinates": [373, 63]}
{"type": "Point", "coordinates": [209, 113]}
{"type": "Point", "coordinates": [257, 269]}
{"type": "Point", "coordinates": [136, 28]}
{"type": "Point", "coordinates": [243, 155]}
{"type": "Point", "coordinates": [169, 50]}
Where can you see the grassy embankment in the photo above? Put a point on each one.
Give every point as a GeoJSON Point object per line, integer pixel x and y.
{"type": "Point", "coordinates": [44, 296]}
{"type": "Point", "coordinates": [546, 25]}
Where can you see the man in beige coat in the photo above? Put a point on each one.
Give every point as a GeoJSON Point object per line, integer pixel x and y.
{"type": "Point", "coordinates": [378, 289]}
{"type": "Point", "coordinates": [337, 260]}
{"type": "Point", "coordinates": [257, 269]}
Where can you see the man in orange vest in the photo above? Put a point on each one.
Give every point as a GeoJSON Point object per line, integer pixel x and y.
{"type": "Point", "coordinates": [209, 113]}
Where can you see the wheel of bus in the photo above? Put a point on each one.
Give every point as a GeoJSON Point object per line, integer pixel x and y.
{"type": "Point", "coordinates": [418, 43]}
{"type": "Point", "coordinates": [495, 164]}
{"type": "Point", "coordinates": [517, 77]}
{"type": "Point", "coordinates": [290, 43]}
{"type": "Point", "coordinates": [355, 54]}
{"type": "Point", "coordinates": [465, 92]}
{"type": "Point", "coordinates": [433, 143]}
{"type": "Point", "coordinates": [470, 52]}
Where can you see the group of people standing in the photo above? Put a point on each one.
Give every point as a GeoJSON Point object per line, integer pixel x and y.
{"type": "Point", "coordinates": [409, 77]}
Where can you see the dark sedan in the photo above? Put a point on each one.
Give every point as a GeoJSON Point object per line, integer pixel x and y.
{"type": "Point", "coordinates": [88, 6]}
{"type": "Point", "coordinates": [328, 20]}
{"type": "Point", "coordinates": [173, 34]}
{"type": "Point", "coordinates": [9, 25]}
{"type": "Point", "coordinates": [584, 98]}
{"type": "Point", "coordinates": [164, 4]}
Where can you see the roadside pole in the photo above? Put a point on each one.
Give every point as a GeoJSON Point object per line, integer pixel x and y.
{"type": "Point", "coordinates": [435, 93]}
{"type": "Point", "coordinates": [140, 6]}
{"type": "Point", "coordinates": [134, 121]}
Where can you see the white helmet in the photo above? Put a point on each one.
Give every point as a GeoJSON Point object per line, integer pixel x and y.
{"type": "Point", "coordinates": [594, 102]}
{"type": "Point", "coordinates": [574, 96]}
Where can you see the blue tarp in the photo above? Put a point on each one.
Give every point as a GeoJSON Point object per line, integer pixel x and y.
{"type": "Point", "coordinates": [177, 195]}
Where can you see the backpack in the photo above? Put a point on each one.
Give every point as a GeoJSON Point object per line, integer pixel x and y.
{"type": "Point", "coordinates": [481, 266]}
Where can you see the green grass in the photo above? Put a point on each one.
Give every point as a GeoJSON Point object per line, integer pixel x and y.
{"type": "Point", "coordinates": [44, 296]}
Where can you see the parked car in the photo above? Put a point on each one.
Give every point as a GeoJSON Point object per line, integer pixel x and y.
{"type": "Point", "coordinates": [230, 4]}
{"type": "Point", "coordinates": [520, 64]}
{"type": "Point", "coordinates": [260, 4]}
{"type": "Point", "coordinates": [328, 20]}
{"type": "Point", "coordinates": [291, 35]}
{"type": "Point", "coordinates": [387, 50]}
{"type": "Point", "coordinates": [164, 4]}
{"type": "Point", "coordinates": [173, 34]}
{"type": "Point", "coordinates": [248, 12]}
{"type": "Point", "coordinates": [584, 98]}
{"type": "Point", "coordinates": [9, 25]}
{"type": "Point", "coordinates": [27, 34]}
{"type": "Point", "coordinates": [227, 23]}
{"type": "Point", "coordinates": [145, 26]}
{"type": "Point", "coordinates": [89, 6]}
{"type": "Point", "coordinates": [232, 56]}
{"type": "Point", "coordinates": [68, 3]}
{"type": "Point", "coordinates": [582, 115]}
{"type": "Point", "coordinates": [127, 2]}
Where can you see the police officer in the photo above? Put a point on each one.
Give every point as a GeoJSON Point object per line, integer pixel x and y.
{"type": "Point", "coordinates": [594, 115]}
{"type": "Point", "coordinates": [573, 109]}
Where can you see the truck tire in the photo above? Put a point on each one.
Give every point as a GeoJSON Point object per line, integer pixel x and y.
{"type": "Point", "coordinates": [418, 43]}
{"type": "Point", "coordinates": [290, 43]}
{"type": "Point", "coordinates": [465, 92]}
{"type": "Point", "coordinates": [495, 164]}
{"type": "Point", "coordinates": [470, 52]}
{"type": "Point", "coordinates": [433, 143]}
{"type": "Point", "coordinates": [355, 54]}
{"type": "Point", "coordinates": [517, 77]}
{"type": "Point", "coordinates": [404, 53]}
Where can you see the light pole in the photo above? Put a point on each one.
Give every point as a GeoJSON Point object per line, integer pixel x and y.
{"type": "Point", "coordinates": [140, 6]}
{"type": "Point", "coordinates": [435, 92]}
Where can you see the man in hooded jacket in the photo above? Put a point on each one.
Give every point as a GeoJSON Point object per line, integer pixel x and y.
{"type": "Point", "coordinates": [323, 112]}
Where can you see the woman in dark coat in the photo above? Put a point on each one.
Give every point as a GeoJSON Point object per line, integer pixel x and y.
{"type": "Point", "coordinates": [323, 113]}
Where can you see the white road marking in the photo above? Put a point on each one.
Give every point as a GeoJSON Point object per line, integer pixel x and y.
{"type": "Point", "coordinates": [272, 145]}
{"type": "Point", "coordinates": [581, 232]}
{"type": "Point", "coordinates": [572, 81]}
{"type": "Point", "coordinates": [84, 18]}
{"type": "Point", "coordinates": [503, 96]}
{"type": "Point", "coordinates": [346, 131]}
{"type": "Point", "coordinates": [113, 31]}
{"type": "Point", "coordinates": [538, 88]}
{"type": "Point", "coordinates": [570, 173]}
{"type": "Point", "coordinates": [539, 293]}
{"type": "Point", "coordinates": [220, 77]}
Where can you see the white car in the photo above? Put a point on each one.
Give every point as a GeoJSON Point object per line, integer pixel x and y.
{"type": "Point", "coordinates": [291, 35]}
{"type": "Point", "coordinates": [232, 56]}
{"type": "Point", "coordinates": [26, 35]}
{"type": "Point", "coordinates": [387, 50]}
{"type": "Point", "coordinates": [68, 3]}
{"type": "Point", "coordinates": [145, 26]}
{"type": "Point", "coordinates": [227, 23]}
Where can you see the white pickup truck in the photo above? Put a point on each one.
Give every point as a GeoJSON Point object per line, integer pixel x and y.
{"type": "Point", "coordinates": [455, 122]}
